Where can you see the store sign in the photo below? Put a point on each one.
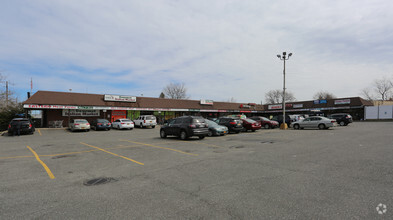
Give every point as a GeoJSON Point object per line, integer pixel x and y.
{"type": "Point", "coordinates": [297, 105]}
{"type": "Point", "coordinates": [244, 106]}
{"type": "Point", "coordinates": [50, 106]}
{"type": "Point", "coordinates": [206, 102]}
{"type": "Point", "coordinates": [272, 107]}
{"type": "Point", "coordinates": [79, 112]}
{"type": "Point", "coordinates": [288, 105]}
{"type": "Point", "coordinates": [342, 101]}
{"type": "Point", "coordinates": [119, 98]}
{"type": "Point", "coordinates": [322, 101]}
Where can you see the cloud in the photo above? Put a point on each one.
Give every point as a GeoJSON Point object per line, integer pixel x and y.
{"type": "Point", "coordinates": [219, 49]}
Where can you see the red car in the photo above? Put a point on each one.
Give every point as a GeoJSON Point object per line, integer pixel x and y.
{"type": "Point", "coordinates": [266, 123]}
{"type": "Point", "coordinates": [249, 124]}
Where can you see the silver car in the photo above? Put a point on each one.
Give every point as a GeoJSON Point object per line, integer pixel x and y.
{"type": "Point", "coordinates": [315, 122]}
{"type": "Point", "coordinates": [79, 124]}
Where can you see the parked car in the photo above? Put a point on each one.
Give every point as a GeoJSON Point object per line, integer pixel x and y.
{"type": "Point", "coordinates": [315, 122]}
{"type": "Point", "coordinates": [24, 125]}
{"type": "Point", "coordinates": [233, 124]}
{"type": "Point", "coordinates": [249, 124]}
{"type": "Point", "coordinates": [185, 127]}
{"type": "Point", "coordinates": [100, 124]}
{"type": "Point", "coordinates": [343, 119]}
{"type": "Point", "coordinates": [146, 121]}
{"type": "Point", "coordinates": [265, 122]}
{"type": "Point", "coordinates": [79, 125]}
{"type": "Point", "coordinates": [278, 118]}
{"type": "Point", "coordinates": [123, 123]}
{"type": "Point", "coordinates": [216, 129]}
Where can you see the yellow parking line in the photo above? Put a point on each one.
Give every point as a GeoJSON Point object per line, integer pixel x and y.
{"type": "Point", "coordinates": [166, 148]}
{"type": "Point", "coordinates": [112, 153]}
{"type": "Point", "coordinates": [39, 132]}
{"type": "Point", "coordinates": [42, 163]}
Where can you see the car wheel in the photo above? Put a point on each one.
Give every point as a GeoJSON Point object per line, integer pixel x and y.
{"type": "Point", "coordinates": [237, 132]}
{"type": "Point", "coordinates": [342, 123]}
{"type": "Point", "coordinates": [321, 126]}
{"type": "Point", "coordinates": [201, 137]}
{"type": "Point", "coordinates": [153, 126]}
{"type": "Point", "coordinates": [210, 133]}
{"type": "Point", "coordinates": [183, 135]}
{"type": "Point", "coordinates": [296, 126]}
{"type": "Point", "coordinates": [87, 130]}
{"type": "Point", "coordinates": [267, 126]}
{"type": "Point", "coordinates": [253, 130]}
{"type": "Point", "coordinates": [162, 134]}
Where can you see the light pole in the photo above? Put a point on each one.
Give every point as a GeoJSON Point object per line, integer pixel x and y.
{"type": "Point", "coordinates": [284, 58]}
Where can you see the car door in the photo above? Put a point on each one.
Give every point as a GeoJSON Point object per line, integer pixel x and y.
{"type": "Point", "coordinates": [315, 122]}
{"type": "Point", "coordinates": [305, 123]}
{"type": "Point", "coordinates": [174, 126]}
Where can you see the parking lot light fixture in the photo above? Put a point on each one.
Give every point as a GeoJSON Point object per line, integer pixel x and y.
{"type": "Point", "coordinates": [284, 58]}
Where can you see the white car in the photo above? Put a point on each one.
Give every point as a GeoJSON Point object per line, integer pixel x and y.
{"type": "Point", "coordinates": [146, 121]}
{"type": "Point", "coordinates": [123, 124]}
{"type": "Point", "coordinates": [315, 122]}
{"type": "Point", "coordinates": [79, 124]}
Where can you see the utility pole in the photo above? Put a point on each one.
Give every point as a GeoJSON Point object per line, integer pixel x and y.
{"type": "Point", "coordinates": [6, 93]}
{"type": "Point", "coordinates": [284, 58]}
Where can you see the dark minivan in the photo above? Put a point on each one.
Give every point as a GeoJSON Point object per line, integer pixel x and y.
{"type": "Point", "coordinates": [185, 127]}
{"type": "Point", "coordinates": [343, 119]}
{"type": "Point", "coordinates": [234, 125]}
{"type": "Point", "coordinates": [19, 126]}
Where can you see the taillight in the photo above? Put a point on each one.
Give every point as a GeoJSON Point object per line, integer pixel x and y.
{"type": "Point", "coordinates": [192, 126]}
{"type": "Point", "coordinates": [99, 123]}
{"type": "Point", "coordinates": [333, 121]}
{"type": "Point", "coordinates": [232, 123]}
{"type": "Point", "coordinates": [122, 123]}
{"type": "Point", "coordinates": [9, 126]}
{"type": "Point", "coordinates": [30, 126]}
{"type": "Point", "coordinates": [87, 124]}
{"type": "Point", "coordinates": [347, 116]}
{"type": "Point", "coordinates": [144, 121]}
{"type": "Point", "coordinates": [76, 124]}
{"type": "Point", "coordinates": [109, 124]}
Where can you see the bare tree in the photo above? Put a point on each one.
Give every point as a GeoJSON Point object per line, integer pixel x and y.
{"type": "Point", "coordinates": [383, 88]}
{"type": "Point", "coordinates": [175, 91]}
{"type": "Point", "coordinates": [275, 96]}
{"type": "Point", "coordinates": [231, 100]}
{"type": "Point", "coordinates": [367, 94]}
{"type": "Point", "coordinates": [324, 95]}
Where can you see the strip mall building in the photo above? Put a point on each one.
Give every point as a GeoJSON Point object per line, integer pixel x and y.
{"type": "Point", "coordinates": [63, 106]}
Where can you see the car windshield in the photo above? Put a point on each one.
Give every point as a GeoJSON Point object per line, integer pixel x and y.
{"type": "Point", "coordinates": [211, 123]}
{"type": "Point", "coordinates": [265, 119]}
{"type": "Point", "coordinates": [249, 120]}
{"type": "Point", "coordinates": [81, 121]}
{"type": "Point", "coordinates": [198, 120]}
{"type": "Point", "coordinates": [150, 118]}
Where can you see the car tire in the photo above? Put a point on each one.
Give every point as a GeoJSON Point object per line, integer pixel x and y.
{"type": "Point", "coordinates": [296, 126]}
{"type": "Point", "coordinates": [253, 130]}
{"type": "Point", "coordinates": [153, 126]}
{"type": "Point", "coordinates": [210, 133]}
{"type": "Point", "coordinates": [162, 133]}
{"type": "Point", "coordinates": [267, 126]}
{"type": "Point", "coordinates": [342, 123]}
{"type": "Point", "coordinates": [183, 135]}
{"type": "Point", "coordinates": [237, 132]}
{"type": "Point", "coordinates": [201, 137]}
{"type": "Point", "coordinates": [321, 126]}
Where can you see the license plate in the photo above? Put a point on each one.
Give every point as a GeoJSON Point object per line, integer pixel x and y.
{"type": "Point", "coordinates": [83, 127]}
{"type": "Point", "coordinates": [128, 123]}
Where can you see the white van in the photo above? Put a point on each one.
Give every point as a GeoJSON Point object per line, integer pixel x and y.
{"type": "Point", "coordinates": [146, 121]}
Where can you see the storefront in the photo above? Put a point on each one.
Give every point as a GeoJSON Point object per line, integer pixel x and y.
{"type": "Point", "coordinates": [61, 107]}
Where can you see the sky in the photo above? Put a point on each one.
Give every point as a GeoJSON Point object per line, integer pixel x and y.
{"type": "Point", "coordinates": [220, 49]}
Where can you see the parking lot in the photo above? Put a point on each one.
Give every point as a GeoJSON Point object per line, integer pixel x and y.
{"type": "Point", "coordinates": [340, 173]}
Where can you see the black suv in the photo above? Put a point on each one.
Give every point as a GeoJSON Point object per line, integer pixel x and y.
{"type": "Point", "coordinates": [100, 124]}
{"type": "Point", "coordinates": [278, 118]}
{"type": "Point", "coordinates": [234, 125]}
{"type": "Point", "coordinates": [19, 126]}
{"type": "Point", "coordinates": [343, 119]}
{"type": "Point", "coordinates": [185, 127]}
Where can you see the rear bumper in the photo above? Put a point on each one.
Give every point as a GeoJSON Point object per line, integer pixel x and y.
{"type": "Point", "coordinates": [199, 132]}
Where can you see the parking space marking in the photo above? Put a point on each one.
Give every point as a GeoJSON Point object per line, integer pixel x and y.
{"type": "Point", "coordinates": [60, 154]}
{"type": "Point", "coordinates": [50, 174]}
{"type": "Point", "coordinates": [39, 131]}
{"type": "Point", "coordinates": [192, 142]}
{"type": "Point", "coordinates": [166, 148]}
{"type": "Point", "coordinates": [112, 153]}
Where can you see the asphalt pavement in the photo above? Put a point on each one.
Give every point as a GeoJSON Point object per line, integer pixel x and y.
{"type": "Point", "coordinates": [340, 173]}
